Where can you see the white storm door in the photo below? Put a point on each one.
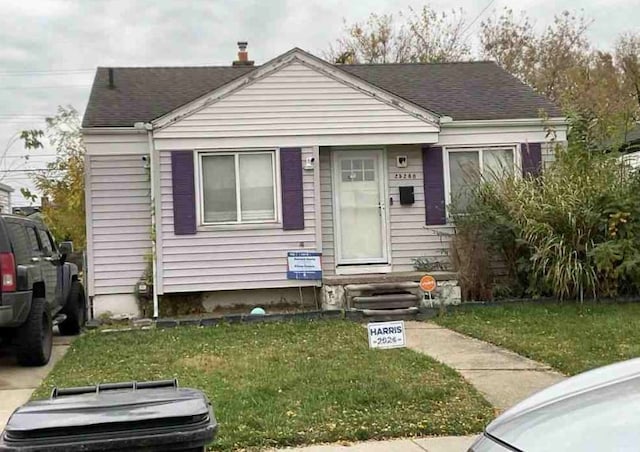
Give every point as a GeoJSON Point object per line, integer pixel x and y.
{"type": "Point", "coordinates": [360, 211]}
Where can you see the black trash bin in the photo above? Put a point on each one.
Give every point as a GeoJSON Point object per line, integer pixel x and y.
{"type": "Point", "coordinates": [133, 416]}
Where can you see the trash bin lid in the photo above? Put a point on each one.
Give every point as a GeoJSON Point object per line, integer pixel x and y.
{"type": "Point", "coordinates": [109, 411]}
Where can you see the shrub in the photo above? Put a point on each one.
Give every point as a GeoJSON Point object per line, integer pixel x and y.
{"type": "Point", "coordinates": [572, 232]}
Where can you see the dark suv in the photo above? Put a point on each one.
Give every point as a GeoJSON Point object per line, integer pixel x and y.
{"type": "Point", "coordinates": [37, 289]}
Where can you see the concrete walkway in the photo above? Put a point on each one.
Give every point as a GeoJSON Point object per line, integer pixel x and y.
{"type": "Point", "coordinates": [17, 383]}
{"type": "Point", "coordinates": [502, 376]}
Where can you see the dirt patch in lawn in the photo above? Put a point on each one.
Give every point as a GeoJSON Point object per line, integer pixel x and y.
{"type": "Point", "coordinates": [204, 362]}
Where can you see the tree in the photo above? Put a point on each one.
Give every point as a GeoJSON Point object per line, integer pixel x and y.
{"type": "Point", "coordinates": [547, 61]}
{"type": "Point", "coordinates": [62, 183]}
{"type": "Point", "coordinates": [628, 58]}
{"type": "Point", "coordinates": [593, 86]}
{"type": "Point", "coordinates": [422, 36]}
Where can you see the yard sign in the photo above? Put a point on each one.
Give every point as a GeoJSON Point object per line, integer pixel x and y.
{"type": "Point", "coordinates": [386, 334]}
{"type": "Point", "coordinates": [428, 283]}
{"type": "Point", "coordinates": [304, 265]}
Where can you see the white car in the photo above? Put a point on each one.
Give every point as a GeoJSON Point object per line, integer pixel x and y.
{"type": "Point", "coordinates": [598, 410]}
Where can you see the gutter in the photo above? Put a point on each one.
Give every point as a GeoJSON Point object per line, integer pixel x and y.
{"type": "Point", "coordinates": [113, 130]}
{"type": "Point", "coordinates": [154, 259]}
{"type": "Point", "coordinates": [558, 121]}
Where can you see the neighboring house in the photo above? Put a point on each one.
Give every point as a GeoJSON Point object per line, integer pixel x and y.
{"type": "Point", "coordinates": [632, 140]}
{"type": "Point", "coordinates": [631, 147]}
{"type": "Point", "coordinates": [5, 198]}
{"type": "Point", "coordinates": [233, 167]}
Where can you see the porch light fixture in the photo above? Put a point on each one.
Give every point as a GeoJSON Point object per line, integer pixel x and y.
{"type": "Point", "coordinates": [309, 163]}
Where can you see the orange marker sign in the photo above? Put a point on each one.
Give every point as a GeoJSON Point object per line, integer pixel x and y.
{"type": "Point", "coordinates": [428, 283]}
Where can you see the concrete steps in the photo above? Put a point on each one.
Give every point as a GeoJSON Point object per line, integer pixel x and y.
{"type": "Point", "coordinates": [384, 300]}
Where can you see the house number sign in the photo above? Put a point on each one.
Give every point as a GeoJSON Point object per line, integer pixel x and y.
{"type": "Point", "coordinates": [405, 176]}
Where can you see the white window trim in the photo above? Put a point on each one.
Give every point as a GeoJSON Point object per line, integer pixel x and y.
{"type": "Point", "coordinates": [275, 160]}
{"type": "Point", "coordinates": [446, 168]}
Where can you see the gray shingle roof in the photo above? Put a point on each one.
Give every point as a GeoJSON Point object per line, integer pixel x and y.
{"type": "Point", "coordinates": [464, 91]}
{"type": "Point", "coordinates": [634, 134]}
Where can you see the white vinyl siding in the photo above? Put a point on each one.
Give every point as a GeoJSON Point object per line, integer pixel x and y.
{"type": "Point", "coordinates": [326, 200]}
{"type": "Point", "coordinates": [231, 257]}
{"type": "Point", "coordinates": [118, 189]}
{"type": "Point", "coordinates": [296, 101]}
{"type": "Point", "coordinates": [410, 238]}
{"type": "Point", "coordinates": [5, 201]}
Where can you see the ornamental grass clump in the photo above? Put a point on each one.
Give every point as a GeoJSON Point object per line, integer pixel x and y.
{"type": "Point", "coordinates": [571, 232]}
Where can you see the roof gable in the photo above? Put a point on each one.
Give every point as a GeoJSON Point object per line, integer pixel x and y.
{"type": "Point", "coordinates": [295, 99]}
{"type": "Point", "coordinates": [354, 85]}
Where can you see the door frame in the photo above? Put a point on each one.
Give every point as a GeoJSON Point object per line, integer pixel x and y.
{"type": "Point", "coordinates": [384, 197]}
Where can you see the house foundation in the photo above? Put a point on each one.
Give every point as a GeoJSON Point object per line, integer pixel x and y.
{"type": "Point", "coordinates": [389, 291]}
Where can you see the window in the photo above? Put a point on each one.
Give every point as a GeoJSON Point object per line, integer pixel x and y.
{"type": "Point", "coordinates": [47, 241]}
{"type": "Point", "coordinates": [467, 166]}
{"type": "Point", "coordinates": [357, 170]}
{"type": "Point", "coordinates": [19, 242]}
{"type": "Point", "coordinates": [33, 240]}
{"type": "Point", "coordinates": [238, 187]}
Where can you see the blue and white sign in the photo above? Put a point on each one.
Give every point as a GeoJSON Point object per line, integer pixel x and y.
{"type": "Point", "coordinates": [304, 265]}
{"type": "Point", "coordinates": [386, 334]}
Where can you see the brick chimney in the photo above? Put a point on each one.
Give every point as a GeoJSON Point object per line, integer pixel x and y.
{"type": "Point", "coordinates": [243, 55]}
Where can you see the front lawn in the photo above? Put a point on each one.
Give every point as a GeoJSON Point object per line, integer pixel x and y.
{"type": "Point", "coordinates": [286, 383]}
{"type": "Point", "coordinates": [568, 337]}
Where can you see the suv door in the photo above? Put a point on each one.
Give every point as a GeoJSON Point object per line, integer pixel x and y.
{"type": "Point", "coordinates": [52, 264]}
{"type": "Point", "coordinates": [40, 258]}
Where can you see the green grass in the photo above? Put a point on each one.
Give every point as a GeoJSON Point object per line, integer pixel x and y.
{"type": "Point", "coordinates": [287, 383]}
{"type": "Point", "coordinates": [568, 337]}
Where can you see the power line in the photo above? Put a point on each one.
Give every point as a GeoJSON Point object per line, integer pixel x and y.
{"type": "Point", "coordinates": [15, 115]}
{"type": "Point", "coordinates": [46, 72]}
{"type": "Point", "coordinates": [477, 17]}
{"type": "Point", "coordinates": [86, 85]}
{"type": "Point", "coordinates": [23, 170]}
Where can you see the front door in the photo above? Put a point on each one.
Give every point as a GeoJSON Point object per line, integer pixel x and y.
{"type": "Point", "coordinates": [360, 213]}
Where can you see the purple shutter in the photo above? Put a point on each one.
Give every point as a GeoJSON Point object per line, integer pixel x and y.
{"type": "Point", "coordinates": [291, 182]}
{"type": "Point", "coordinates": [184, 193]}
{"type": "Point", "coordinates": [435, 208]}
{"type": "Point", "coordinates": [531, 158]}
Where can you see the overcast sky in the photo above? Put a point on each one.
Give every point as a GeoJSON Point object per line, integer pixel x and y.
{"type": "Point", "coordinates": [50, 48]}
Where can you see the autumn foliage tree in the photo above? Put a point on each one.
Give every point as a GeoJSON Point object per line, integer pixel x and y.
{"type": "Point", "coordinates": [61, 184]}
{"type": "Point", "coordinates": [413, 36]}
{"type": "Point", "coordinates": [601, 88]}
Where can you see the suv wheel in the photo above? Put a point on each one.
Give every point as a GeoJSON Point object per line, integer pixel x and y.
{"type": "Point", "coordinates": [75, 311]}
{"type": "Point", "coordinates": [35, 336]}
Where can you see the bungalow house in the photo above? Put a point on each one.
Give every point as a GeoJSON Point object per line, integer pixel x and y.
{"type": "Point", "coordinates": [213, 176]}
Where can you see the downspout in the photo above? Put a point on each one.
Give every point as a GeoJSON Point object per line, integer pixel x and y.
{"type": "Point", "coordinates": [154, 256]}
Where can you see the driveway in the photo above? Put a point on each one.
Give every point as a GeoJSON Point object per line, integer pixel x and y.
{"type": "Point", "coordinates": [17, 383]}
